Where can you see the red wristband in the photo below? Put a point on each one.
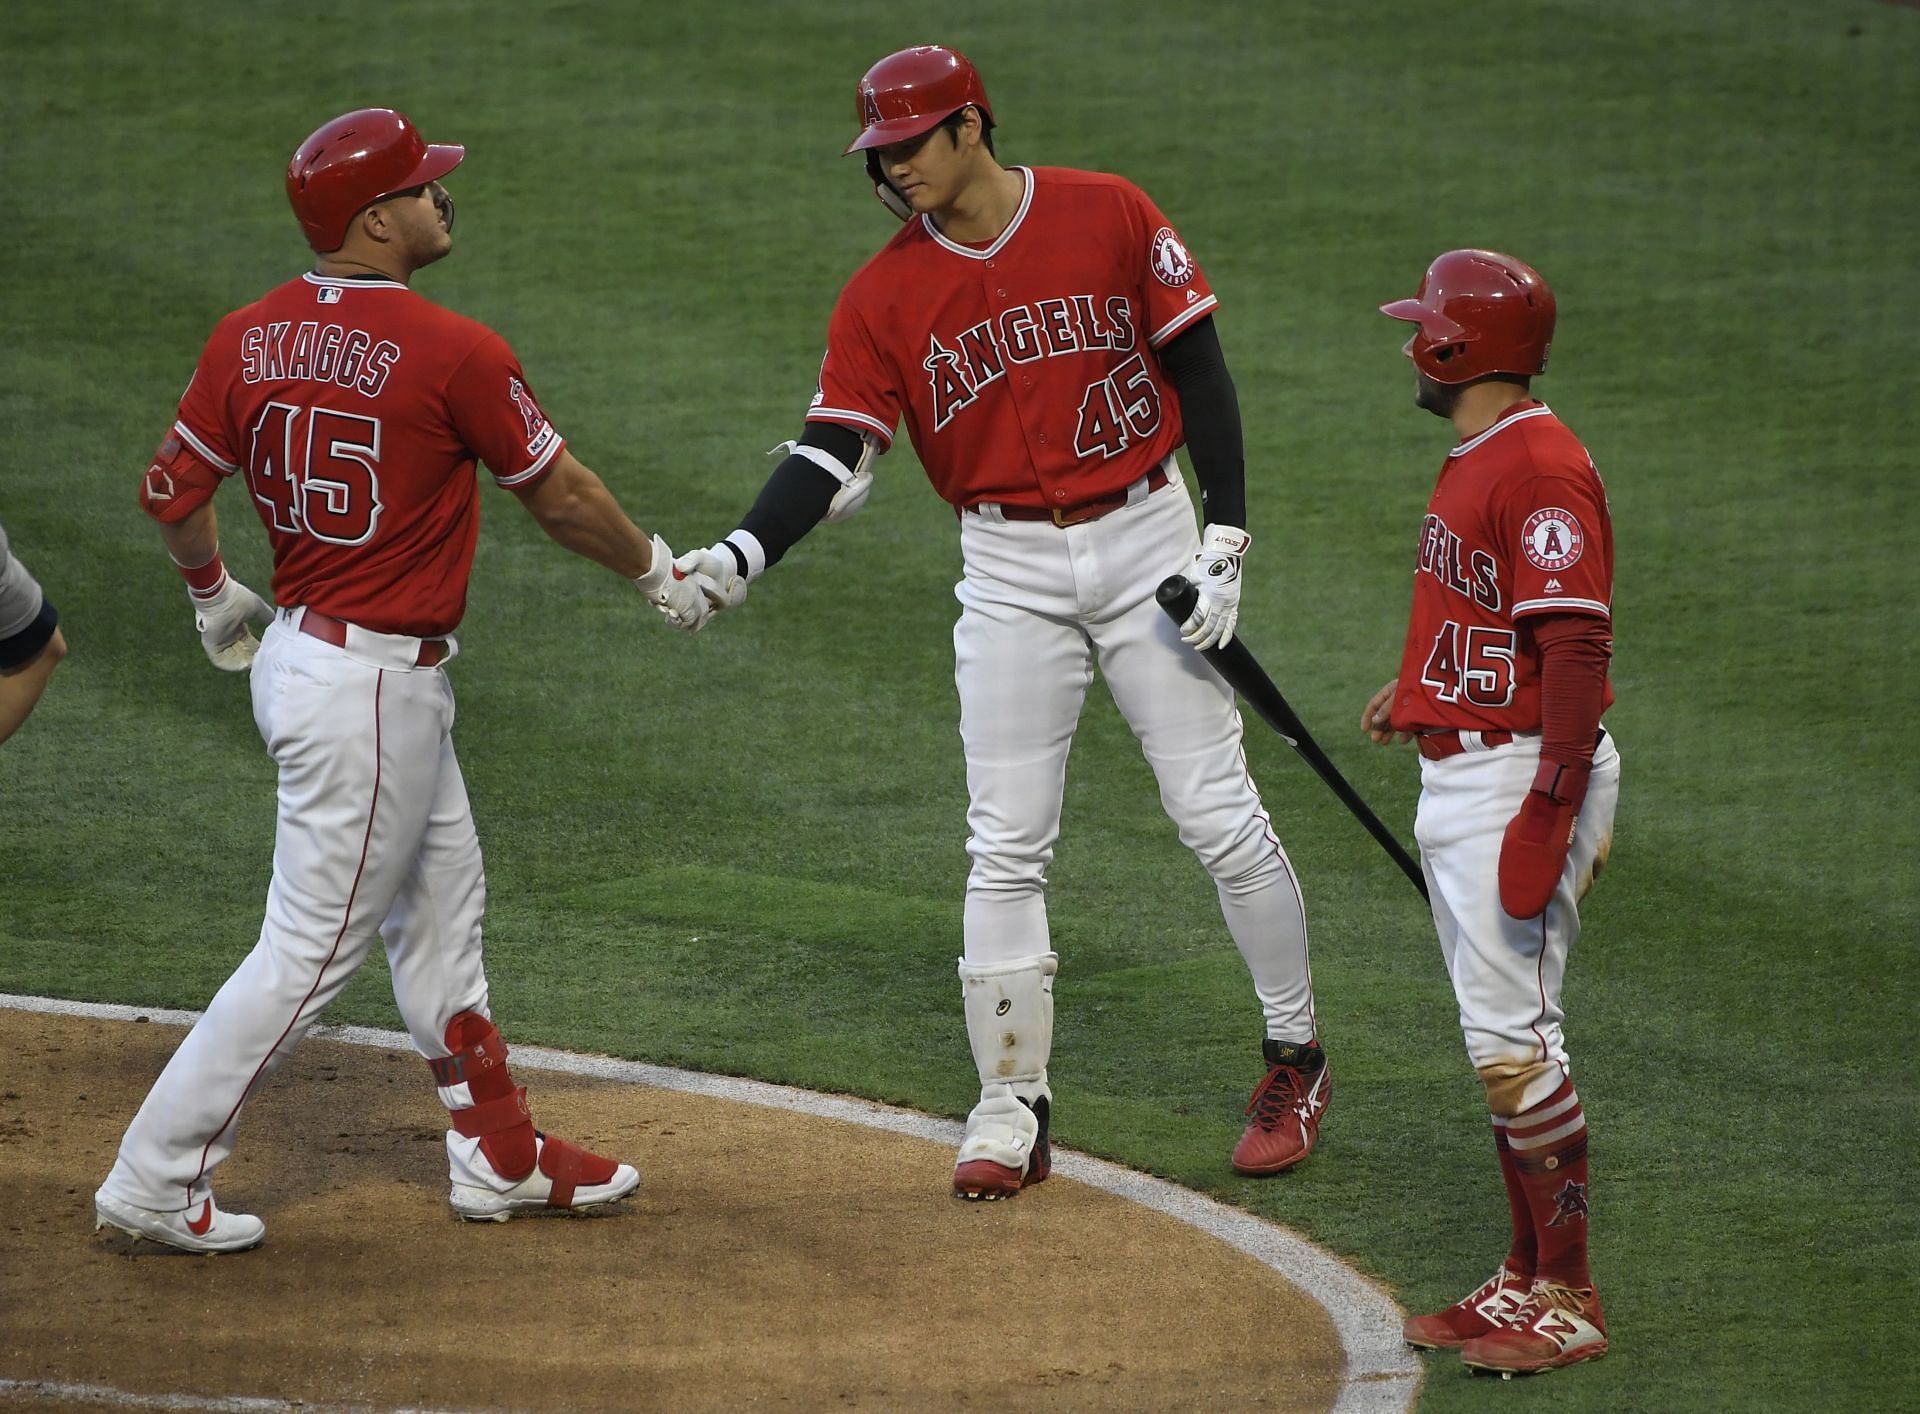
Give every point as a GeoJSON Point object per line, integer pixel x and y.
{"type": "Point", "coordinates": [203, 580]}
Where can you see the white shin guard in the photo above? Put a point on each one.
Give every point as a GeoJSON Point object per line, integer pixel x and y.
{"type": "Point", "coordinates": [1009, 1008]}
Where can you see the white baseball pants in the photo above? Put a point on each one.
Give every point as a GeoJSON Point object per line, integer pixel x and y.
{"type": "Point", "coordinates": [1507, 972]}
{"type": "Point", "coordinates": [1040, 605]}
{"type": "Point", "coordinates": [374, 835]}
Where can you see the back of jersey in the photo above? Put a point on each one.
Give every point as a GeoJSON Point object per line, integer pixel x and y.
{"type": "Point", "coordinates": [356, 410]}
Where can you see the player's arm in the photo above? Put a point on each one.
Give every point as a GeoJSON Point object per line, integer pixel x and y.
{"type": "Point", "coordinates": [32, 645]}
{"type": "Point", "coordinates": [823, 477]}
{"type": "Point", "coordinates": [575, 508]}
{"type": "Point", "coordinates": [1376, 719]}
{"type": "Point", "coordinates": [1196, 367]}
{"type": "Point", "coordinates": [1573, 649]}
{"type": "Point", "coordinates": [177, 491]}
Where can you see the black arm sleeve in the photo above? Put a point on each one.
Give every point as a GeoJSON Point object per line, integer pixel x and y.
{"type": "Point", "coordinates": [1210, 412]}
{"type": "Point", "coordinates": [798, 493]}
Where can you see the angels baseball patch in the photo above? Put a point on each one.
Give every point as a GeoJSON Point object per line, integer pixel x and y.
{"type": "Point", "coordinates": [1171, 263]}
{"type": "Point", "coordinates": [1552, 539]}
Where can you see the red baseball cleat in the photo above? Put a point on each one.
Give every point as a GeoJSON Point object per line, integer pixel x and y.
{"type": "Point", "coordinates": [1496, 1302]}
{"type": "Point", "coordinates": [1285, 1109]}
{"type": "Point", "coordinates": [983, 1180]}
{"type": "Point", "coordinates": [1555, 1326]}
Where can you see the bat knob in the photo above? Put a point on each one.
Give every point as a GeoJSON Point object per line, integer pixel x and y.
{"type": "Point", "coordinates": [1177, 595]}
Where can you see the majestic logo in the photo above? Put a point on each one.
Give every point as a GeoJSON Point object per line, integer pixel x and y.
{"type": "Point", "coordinates": [1552, 539]}
{"type": "Point", "coordinates": [1569, 1203]}
{"type": "Point", "coordinates": [1553, 586]}
{"type": "Point", "coordinates": [869, 106]}
{"type": "Point", "coordinates": [538, 432]}
{"type": "Point", "coordinates": [1171, 263]}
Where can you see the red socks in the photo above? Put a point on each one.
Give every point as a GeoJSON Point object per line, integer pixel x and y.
{"type": "Point", "coordinates": [1544, 1159]}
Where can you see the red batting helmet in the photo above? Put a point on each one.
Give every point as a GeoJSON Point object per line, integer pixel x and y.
{"type": "Point", "coordinates": [354, 161]}
{"type": "Point", "coordinates": [908, 93]}
{"type": "Point", "coordinates": [1478, 312]}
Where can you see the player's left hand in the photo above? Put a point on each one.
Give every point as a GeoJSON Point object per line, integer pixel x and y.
{"type": "Point", "coordinates": [1215, 572]}
{"type": "Point", "coordinates": [222, 618]}
{"type": "Point", "coordinates": [1533, 852]}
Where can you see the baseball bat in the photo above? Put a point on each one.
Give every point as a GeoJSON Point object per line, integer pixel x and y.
{"type": "Point", "coordinates": [1236, 664]}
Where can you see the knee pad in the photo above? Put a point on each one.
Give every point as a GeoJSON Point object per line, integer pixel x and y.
{"type": "Point", "coordinates": [1009, 1007]}
{"type": "Point", "coordinates": [499, 1116]}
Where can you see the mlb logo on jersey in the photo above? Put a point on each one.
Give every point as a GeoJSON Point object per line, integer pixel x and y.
{"type": "Point", "coordinates": [1552, 539]}
{"type": "Point", "coordinates": [328, 294]}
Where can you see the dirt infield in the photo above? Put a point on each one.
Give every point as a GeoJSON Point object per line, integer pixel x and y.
{"type": "Point", "coordinates": [769, 1258]}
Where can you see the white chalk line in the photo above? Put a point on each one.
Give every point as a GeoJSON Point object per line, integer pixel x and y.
{"type": "Point", "coordinates": [1382, 1376]}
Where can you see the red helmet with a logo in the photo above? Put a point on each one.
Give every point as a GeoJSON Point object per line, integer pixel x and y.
{"type": "Point", "coordinates": [354, 161]}
{"type": "Point", "coordinates": [1478, 312]}
{"type": "Point", "coordinates": [908, 93]}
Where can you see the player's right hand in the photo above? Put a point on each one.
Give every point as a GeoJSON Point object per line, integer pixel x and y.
{"type": "Point", "coordinates": [719, 576]}
{"type": "Point", "coordinates": [1377, 720]}
{"type": "Point", "coordinates": [673, 592]}
{"type": "Point", "coordinates": [222, 618]}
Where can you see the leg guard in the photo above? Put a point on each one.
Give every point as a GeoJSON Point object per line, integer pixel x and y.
{"type": "Point", "coordinates": [1009, 1009]}
{"type": "Point", "coordinates": [498, 1116]}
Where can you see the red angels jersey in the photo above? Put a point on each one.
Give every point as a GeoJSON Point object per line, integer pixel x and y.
{"type": "Point", "coordinates": [356, 410]}
{"type": "Point", "coordinates": [1025, 368]}
{"type": "Point", "coordinates": [1518, 526]}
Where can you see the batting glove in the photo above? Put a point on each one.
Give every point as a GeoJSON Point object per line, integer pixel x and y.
{"type": "Point", "coordinates": [1215, 572]}
{"type": "Point", "coordinates": [222, 615]}
{"type": "Point", "coordinates": [670, 590]}
{"type": "Point", "coordinates": [715, 571]}
{"type": "Point", "coordinates": [1533, 852]}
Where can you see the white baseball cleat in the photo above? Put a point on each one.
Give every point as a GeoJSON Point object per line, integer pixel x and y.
{"type": "Point", "coordinates": [565, 1178]}
{"type": "Point", "coordinates": [207, 1230]}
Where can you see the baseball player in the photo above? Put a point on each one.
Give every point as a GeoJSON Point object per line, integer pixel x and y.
{"type": "Point", "coordinates": [1501, 686]}
{"type": "Point", "coordinates": [355, 411]}
{"type": "Point", "coordinates": [1049, 340]}
{"type": "Point", "coordinates": [31, 644]}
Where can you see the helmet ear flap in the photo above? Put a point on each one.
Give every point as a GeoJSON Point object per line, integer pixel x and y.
{"type": "Point", "coordinates": [890, 196]}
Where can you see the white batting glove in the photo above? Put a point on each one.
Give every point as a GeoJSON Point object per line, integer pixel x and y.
{"type": "Point", "coordinates": [673, 593]}
{"type": "Point", "coordinates": [222, 615]}
{"type": "Point", "coordinates": [1215, 571]}
{"type": "Point", "coordinates": [713, 569]}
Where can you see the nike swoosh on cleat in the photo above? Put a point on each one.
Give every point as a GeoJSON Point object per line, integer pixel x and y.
{"type": "Point", "coordinates": [198, 1227]}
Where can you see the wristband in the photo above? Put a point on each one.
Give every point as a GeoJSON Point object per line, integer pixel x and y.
{"type": "Point", "coordinates": [203, 581]}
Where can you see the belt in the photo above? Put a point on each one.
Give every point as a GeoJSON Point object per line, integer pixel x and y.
{"type": "Point", "coordinates": [1085, 511]}
{"type": "Point", "coordinates": [433, 651]}
{"type": "Point", "coordinates": [1439, 745]}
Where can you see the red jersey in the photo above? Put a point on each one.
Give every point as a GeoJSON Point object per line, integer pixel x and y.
{"type": "Point", "coordinates": [357, 410]}
{"type": "Point", "coordinates": [1518, 526]}
{"type": "Point", "coordinates": [1025, 368]}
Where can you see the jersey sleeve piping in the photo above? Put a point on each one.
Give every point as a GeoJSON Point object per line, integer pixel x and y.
{"type": "Point", "coordinates": [849, 417]}
{"type": "Point", "coordinates": [206, 453]}
{"type": "Point", "coordinates": [539, 467]}
{"type": "Point", "coordinates": [1562, 606]}
{"type": "Point", "coordinates": [1181, 320]}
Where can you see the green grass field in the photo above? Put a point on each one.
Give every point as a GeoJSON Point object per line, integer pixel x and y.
{"type": "Point", "coordinates": [743, 852]}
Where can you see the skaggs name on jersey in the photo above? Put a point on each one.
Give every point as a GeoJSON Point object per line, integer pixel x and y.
{"type": "Point", "coordinates": [1478, 579]}
{"type": "Point", "coordinates": [317, 353]}
{"type": "Point", "coordinates": [960, 369]}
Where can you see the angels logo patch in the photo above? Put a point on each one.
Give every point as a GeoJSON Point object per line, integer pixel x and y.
{"type": "Point", "coordinates": [1552, 539]}
{"type": "Point", "coordinates": [539, 433]}
{"type": "Point", "coordinates": [1171, 263]}
{"type": "Point", "coordinates": [869, 107]}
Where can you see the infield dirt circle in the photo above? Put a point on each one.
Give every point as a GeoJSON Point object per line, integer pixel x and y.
{"type": "Point", "coordinates": [769, 1259]}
